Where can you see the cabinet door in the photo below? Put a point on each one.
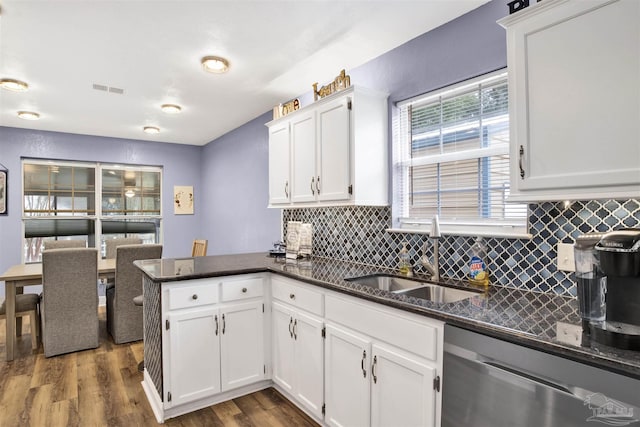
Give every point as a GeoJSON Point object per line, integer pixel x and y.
{"type": "Point", "coordinates": [574, 117]}
{"type": "Point", "coordinates": [279, 159]}
{"type": "Point", "coordinates": [241, 342]}
{"type": "Point", "coordinates": [402, 391]}
{"type": "Point", "coordinates": [194, 354]}
{"type": "Point", "coordinates": [347, 362]}
{"type": "Point", "coordinates": [282, 341]}
{"type": "Point", "coordinates": [333, 179]}
{"type": "Point", "coordinates": [309, 363]}
{"type": "Point", "coordinates": [303, 145]}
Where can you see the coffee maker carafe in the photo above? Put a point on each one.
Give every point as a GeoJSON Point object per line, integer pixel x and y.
{"type": "Point", "coordinates": [619, 257]}
{"type": "Point", "coordinates": [590, 282]}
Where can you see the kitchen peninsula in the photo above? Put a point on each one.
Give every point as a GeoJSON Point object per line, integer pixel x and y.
{"type": "Point", "coordinates": [194, 358]}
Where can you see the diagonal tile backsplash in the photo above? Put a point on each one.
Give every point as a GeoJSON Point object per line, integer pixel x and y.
{"type": "Point", "coordinates": [358, 234]}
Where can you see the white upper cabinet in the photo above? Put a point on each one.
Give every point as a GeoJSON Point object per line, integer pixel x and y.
{"type": "Point", "coordinates": [574, 99]}
{"type": "Point", "coordinates": [333, 178]}
{"type": "Point", "coordinates": [303, 164]}
{"type": "Point", "coordinates": [279, 173]}
{"type": "Point", "coordinates": [337, 152]}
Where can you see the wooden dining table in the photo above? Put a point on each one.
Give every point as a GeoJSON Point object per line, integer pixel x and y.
{"type": "Point", "coordinates": [21, 275]}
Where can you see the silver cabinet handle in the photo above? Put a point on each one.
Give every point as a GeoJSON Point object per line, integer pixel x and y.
{"type": "Point", "coordinates": [295, 329]}
{"type": "Point", "coordinates": [318, 184]}
{"type": "Point", "coordinates": [313, 180]}
{"type": "Point", "coordinates": [286, 189]}
{"type": "Point", "coordinates": [373, 369]}
{"type": "Point", "coordinates": [224, 324]}
{"type": "Point", "coordinates": [520, 162]}
{"type": "Point", "coordinates": [364, 356]}
{"type": "Point", "coordinates": [216, 316]}
{"type": "Point", "coordinates": [244, 290]}
{"type": "Point", "coordinates": [194, 297]}
{"type": "Point", "coordinates": [290, 324]}
{"type": "Point", "coordinates": [292, 296]}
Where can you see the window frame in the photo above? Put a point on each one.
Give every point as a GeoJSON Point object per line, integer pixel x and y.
{"type": "Point", "coordinates": [98, 217]}
{"type": "Point", "coordinates": [401, 165]}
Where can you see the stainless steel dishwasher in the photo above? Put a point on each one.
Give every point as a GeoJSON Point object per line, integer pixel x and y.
{"type": "Point", "coordinates": [488, 382]}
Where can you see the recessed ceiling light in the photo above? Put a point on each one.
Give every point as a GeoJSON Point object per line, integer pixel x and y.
{"type": "Point", "coordinates": [28, 115]}
{"type": "Point", "coordinates": [215, 64]}
{"type": "Point", "coordinates": [14, 85]}
{"type": "Point", "coordinates": [151, 129]}
{"type": "Point", "coordinates": [171, 108]}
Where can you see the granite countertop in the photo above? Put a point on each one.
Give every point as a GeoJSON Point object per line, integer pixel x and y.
{"type": "Point", "coordinates": [526, 318]}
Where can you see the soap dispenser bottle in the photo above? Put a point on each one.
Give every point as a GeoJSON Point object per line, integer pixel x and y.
{"type": "Point", "coordinates": [404, 264]}
{"type": "Point", "coordinates": [478, 273]}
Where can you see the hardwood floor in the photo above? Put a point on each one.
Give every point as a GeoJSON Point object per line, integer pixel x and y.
{"type": "Point", "coordinates": [101, 387]}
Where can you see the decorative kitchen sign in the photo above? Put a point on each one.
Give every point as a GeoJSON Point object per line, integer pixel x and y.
{"type": "Point", "coordinates": [182, 200]}
{"type": "Point", "coordinates": [517, 5]}
{"type": "Point", "coordinates": [3, 190]}
{"type": "Point", "coordinates": [339, 83]}
{"type": "Point", "coordinates": [284, 109]}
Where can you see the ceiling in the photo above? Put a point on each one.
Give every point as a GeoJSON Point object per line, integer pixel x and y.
{"type": "Point", "coordinates": [152, 51]}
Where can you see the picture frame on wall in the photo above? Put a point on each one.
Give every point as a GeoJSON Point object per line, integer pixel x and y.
{"type": "Point", "coordinates": [3, 192]}
{"type": "Point", "coordinates": [183, 200]}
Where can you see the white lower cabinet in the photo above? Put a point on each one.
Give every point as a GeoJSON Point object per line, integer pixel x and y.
{"type": "Point", "coordinates": [368, 383]}
{"type": "Point", "coordinates": [347, 378]}
{"type": "Point", "coordinates": [298, 355]}
{"type": "Point", "coordinates": [213, 339]}
{"type": "Point", "coordinates": [343, 360]}
{"type": "Point", "coordinates": [403, 391]}
{"type": "Point", "coordinates": [241, 345]}
{"type": "Point", "coordinates": [382, 366]}
{"type": "Point", "coordinates": [214, 350]}
{"type": "Point", "coordinates": [194, 350]}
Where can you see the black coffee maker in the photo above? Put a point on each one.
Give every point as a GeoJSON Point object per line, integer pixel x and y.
{"type": "Point", "coordinates": [619, 258]}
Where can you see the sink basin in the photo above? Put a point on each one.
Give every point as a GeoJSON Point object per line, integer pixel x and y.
{"type": "Point", "coordinates": [385, 282]}
{"type": "Point", "coordinates": [437, 293]}
{"type": "Point", "coordinates": [413, 288]}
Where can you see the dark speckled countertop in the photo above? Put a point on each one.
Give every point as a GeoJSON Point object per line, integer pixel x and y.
{"type": "Point", "coordinates": [526, 318]}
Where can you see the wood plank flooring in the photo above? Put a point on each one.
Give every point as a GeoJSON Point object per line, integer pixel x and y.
{"type": "Point", "coordinates": [101, 387]}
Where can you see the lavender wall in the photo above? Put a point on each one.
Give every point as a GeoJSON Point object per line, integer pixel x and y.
{"type": "Point", "coordinates": [181, 166]}
{"type": "Point", "coordinates": [470, 45]}
{"type": "Point", "coordinates": [236, 180]}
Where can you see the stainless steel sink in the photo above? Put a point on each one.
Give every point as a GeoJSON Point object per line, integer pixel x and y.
{"type": "Point", "coordinates": [386, 282]}
{"type": "Point", "coordinates": [413, 288]}
{"type": "Point", "coordinates": [438, 293]}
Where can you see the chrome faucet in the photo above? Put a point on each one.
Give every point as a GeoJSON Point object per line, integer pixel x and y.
{"type": "Point", "coordinates": [434, 235]}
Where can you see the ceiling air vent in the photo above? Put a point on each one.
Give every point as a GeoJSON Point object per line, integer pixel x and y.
{"type": "Point", "coordinates": [109, 89]}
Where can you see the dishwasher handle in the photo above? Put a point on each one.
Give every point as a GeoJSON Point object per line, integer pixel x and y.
{"type": "Point", "coordinates": [560, 387]}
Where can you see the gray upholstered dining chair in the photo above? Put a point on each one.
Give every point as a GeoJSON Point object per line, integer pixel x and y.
{"type": "Point", "coordinates": [61, 244]}
{"type": "Point", "coordinates": [124, 318]}
{"type": "Point", "coordinates": [69, 306]}
{"type": "Point", "coordinates": [112, 244]}
{"type": "Point", "coordinates": [26, 305]}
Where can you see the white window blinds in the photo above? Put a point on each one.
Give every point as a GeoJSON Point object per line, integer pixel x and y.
{"type": "Point", "coordinates": [451, 158]}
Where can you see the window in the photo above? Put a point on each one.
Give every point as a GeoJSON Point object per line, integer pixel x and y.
{"type": "Point", "coordinates": [451, 159]}
{"type": "Point", "coordinates": [90, 202]}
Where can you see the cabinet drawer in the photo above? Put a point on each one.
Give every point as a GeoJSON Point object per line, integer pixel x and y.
{"type": "Point", "coordinates": [241, 288]}
{"type": "Point", "coordinates": [297, 295]}
{"type": "Point", "coordinates": [195, 294]}
{"type": "Point", "coordinates": [415, 336]}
